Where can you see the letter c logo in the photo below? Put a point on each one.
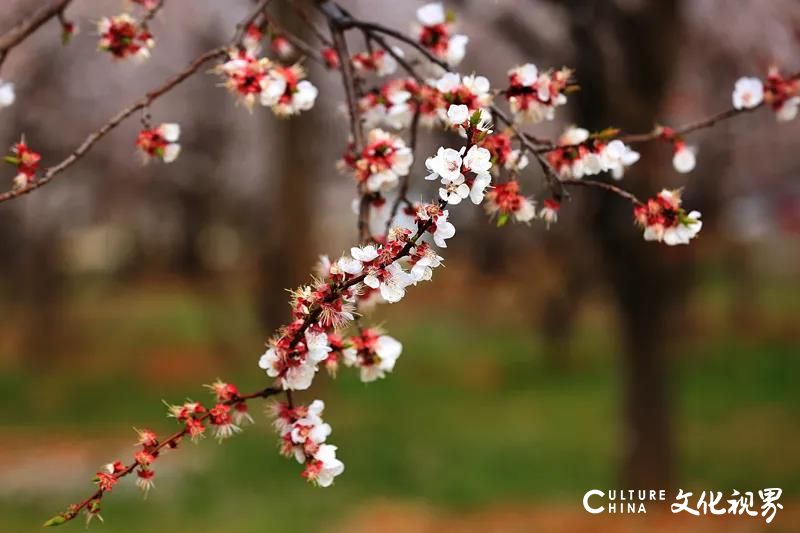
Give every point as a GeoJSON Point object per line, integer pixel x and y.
{"type": "Point", "coordinates": [589, 509]}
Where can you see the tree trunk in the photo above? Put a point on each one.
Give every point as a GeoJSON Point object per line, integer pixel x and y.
{"type": "Point", "coordinates": [648, 282]}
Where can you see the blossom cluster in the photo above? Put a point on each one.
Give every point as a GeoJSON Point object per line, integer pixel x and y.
{"type": "Point", "coordinates": [684, 157]}
{"type": "Point", "coordinates": [253, 79]}
{"type": "Point", "coordinates": [503, 155]}
{"type": "Point", "coordinates": [504, 201]}
{"type": "Point", "coordinates": [191, 414]}
{"type": "Point", "coordinates": [379, 61]}
{"type": "Point", "coordinates": [580, 154]}
{"type": "Point", "coordinates": [664, 220]}
{"type": "Point", "coordinates": [471, 91]}
{"type": "Point", "coordinates": [373, 353]}
{"type": "Point", "coordinates": [534, 96]}
{"type": "Point", "coordinates": [781, 93]}
{"type": "Point", "coordinates": [26, 162]}
{"type": "Point", "coordinates": [391, 105]}
{"type": "Point", "coordinates": [461, 174]}
{"type": "Point", "coordinates": [226, 416]}
{"type": "Point", "coordinates": [123, 36]}
{"type": "Point", "coordinates": [381, 163]}
{"type": "Point", "coordinates": [435, 32]}
{"type": "Point", "coordinates": [303, 436]}
{"type": "Point", "coordinates": [160, 142]}
{"type": "Point", "coordinates": [394, 103]}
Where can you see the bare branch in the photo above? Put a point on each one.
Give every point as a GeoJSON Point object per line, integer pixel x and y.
{"type": "Point", "coordinates": [27, 26]}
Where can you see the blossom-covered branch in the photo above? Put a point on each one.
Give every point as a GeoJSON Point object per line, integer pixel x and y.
{"type": "Point", "coordinates": [193, 415]}
{"type": "Point", "coordinates": [483, 165]}
{"type": "Point", "coordinates": [29, 181]}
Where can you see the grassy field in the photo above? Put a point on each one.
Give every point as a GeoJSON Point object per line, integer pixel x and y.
{"type": "Point", "coordinates": [472, 417]}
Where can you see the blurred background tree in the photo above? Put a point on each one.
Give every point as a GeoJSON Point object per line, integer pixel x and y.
{"type": "Point", "coordinates": [588, 356]}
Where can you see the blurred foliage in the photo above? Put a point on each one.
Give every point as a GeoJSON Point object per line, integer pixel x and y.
{"type": "Point", "coordinates": [472, 416]}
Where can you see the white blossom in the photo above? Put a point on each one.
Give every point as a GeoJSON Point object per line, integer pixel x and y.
{"type": "Point", "coordinates": [748, 93]}
{"type": "Point", "coordinates": [7, 94]}
{"type": "Point", "coordinates": [331, 466]}
{"type": "Point", "coordinates": [391, 280]}
{"type": "Point", "coordinates": [457, 114]}
{"type": "Point", "coordinates": [444, 230]}
{"type": "Point", "coordinates": [431, 14]}
{"type": "Point", "coordinates": [446, 164]}
{"type": "Point", "coordinates": [684, 159]}
{"type": "Point", "coordinates": [787, 111]}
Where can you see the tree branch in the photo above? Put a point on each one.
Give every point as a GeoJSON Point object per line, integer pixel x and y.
{"type": "Point", "coordinates": [53, 171]}
{"type": "Point", "coordinates": [171, 442]}
{"type": "Point", "coordinates": [24, 28]}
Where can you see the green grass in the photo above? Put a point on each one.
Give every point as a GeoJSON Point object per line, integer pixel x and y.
{"type": "Point", "coordinates": [471, 416]}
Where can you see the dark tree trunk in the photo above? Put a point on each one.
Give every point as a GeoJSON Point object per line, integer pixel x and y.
{"type": "Point", "coordinates": [649, 282]}
{"type": "Point", "coordinates": [286, 234]}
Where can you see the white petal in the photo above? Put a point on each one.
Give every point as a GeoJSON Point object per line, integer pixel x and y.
{"type": "Point", "coordinates": [171, 152]}
{"type": "Point", "coordinates": [170, 131]}
{"type": "Point", "coordinates": [431, 14]}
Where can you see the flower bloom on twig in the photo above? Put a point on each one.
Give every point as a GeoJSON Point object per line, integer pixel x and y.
{"type": "Point", "coordinates": [122, 36]}
{"type": "Point", "coordinates": [472, 91]}
{"type": "Point", "coordinates": [435, 34]}
{"type": "Point", "coordinates": [160, 142]}
{"type": "Point", "coordinates": [252, 38]}
{"type": "Point", "coordinates": [281, 46]}
{"type": "Point", "coordinates": [330, 57]}
{"type": "Point", "coordinates": [7, 94]}
{"type": "Point", "coordinates": [504, 201]}
{"type": "Point", "coordinates": [144, 480]}
{"type": "Point", "coordinates": [684, 157]}
{"type": "Point", "coordinates": [461, 177]}
{"type": "Point", "coordinates": [441, 228]}
{"type": "Point", "coordinates": [381, 163]}
{"type": "Point", "coordinates": [534, 96]}
{"type": "Point", "coordinates": [69, 30]}
{"type": "Point", "coordinates": [187, 414]}
{"type": "Point", "coordinates": [253, 79]}
{"type": "Point", "coordinates": [748, 93]}
{"type": "Point", "coordinates": [783, 95]}
{"type": "Point", "coordinates": [287, 92]}
{"type": "Point", "coordinates": [503, 155]}
{"type": "Point", "coordinates": [549, 211]}
{"type": "Point", "coordinates": [391, 105]}
{"type": "Point", "coordinates": [580, 154]}
{"type": "Point", "coordinates": [26, 161]}
{"type": "Point", "coordinates": [378, 61]}
{"type": "Point", "coordinates": [373, 353]}
{"type": "Point", "coordinates": [296, 364]}
{"type": "Point", "coordinates": [664, 220]}
{"type": "Point", "coordinates": [303, 436]}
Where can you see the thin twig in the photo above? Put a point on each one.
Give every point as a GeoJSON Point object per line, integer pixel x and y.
{"type": "Point", "coordinates": [402, 195]}
{"type": "Point", "coordinates": [171, 441]}
{"type": "Point", "coordinates": [602, 185]}
{"type": "Point", "coordinates": [348, 81]}
{"type": "Point", "coordinates": [193, 67]}
{"type": "Point", "coordinates": [24, 28]}
{"type": "Point", "coordinates": [297, 42]}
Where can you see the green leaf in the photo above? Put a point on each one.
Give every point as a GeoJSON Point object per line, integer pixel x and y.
{"type": "Point", "coordinates": [450, 16]}
{"type": "Point", "coordinates": [606, 134]}
{"type": "Point", "coordinates": [57, 520]}
{"type": "Point", "coordinates": [475, 118]}
{"type": "Point", "coordinates": [502, 219]}
{"type": "Point", "coordinates": [12, 160]}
